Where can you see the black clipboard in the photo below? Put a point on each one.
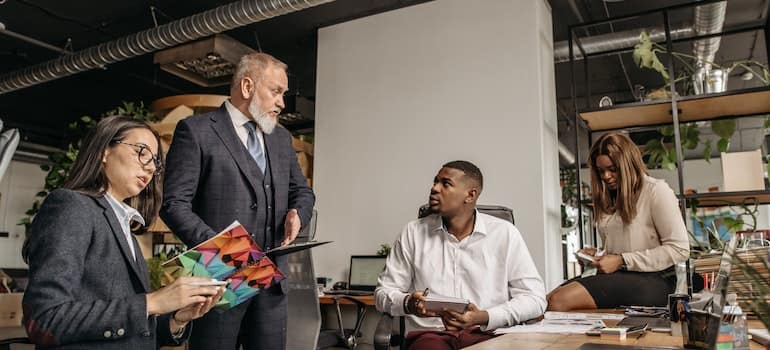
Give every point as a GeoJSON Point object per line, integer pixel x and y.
{"type": "Point", "coordinates": [294, 247]}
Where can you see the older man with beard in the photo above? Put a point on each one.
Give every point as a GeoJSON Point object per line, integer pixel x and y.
{"type": "Point", "coordinates": [236, 163]}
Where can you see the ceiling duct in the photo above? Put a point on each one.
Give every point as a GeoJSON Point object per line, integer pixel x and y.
{"type": "Point", "coordinates": [617, 41]}
{"type": "Point", "coordinates": [707, 19]}
{"type": "Point", "coordinates": [209, 62]}
{"type": "Point", "coordinates": [184, 30]}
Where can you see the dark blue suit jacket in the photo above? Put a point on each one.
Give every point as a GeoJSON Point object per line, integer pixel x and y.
{"type": "Point", "coordinates": [211, 180]}
{"type": "Point", "coordinates": [86, 291]}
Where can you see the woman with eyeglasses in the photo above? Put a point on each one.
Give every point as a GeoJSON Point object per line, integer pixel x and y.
{"type": "Point", "coordinates": [89, 285]}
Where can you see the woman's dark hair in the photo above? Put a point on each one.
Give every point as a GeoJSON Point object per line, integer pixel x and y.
{"type": "Point", "coordinates": [87, 173]}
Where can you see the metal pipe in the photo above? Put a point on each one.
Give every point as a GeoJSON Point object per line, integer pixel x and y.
{"type": "Point", "coordinates": [220, 19]}
{"type": "Point", "coordinates": [33, 41]}
{"type": "Point", "coordinates": [709, 19]}
{"type": "Point", "coordinates": [619, 40]}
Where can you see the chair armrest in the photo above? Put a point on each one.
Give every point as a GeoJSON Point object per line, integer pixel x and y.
{"type": "Point", "coordinates": [4, 343]}
{"type": "Point", "coordinates": [383, 333]}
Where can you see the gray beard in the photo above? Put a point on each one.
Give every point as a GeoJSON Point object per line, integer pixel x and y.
{"type": "Point", "coordinates": [263, 120]}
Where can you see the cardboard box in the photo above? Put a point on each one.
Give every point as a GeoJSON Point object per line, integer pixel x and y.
{"type": "Point", "coordinates": [10, 309]}
{"type": "Point", "coordinates": [743, 171]}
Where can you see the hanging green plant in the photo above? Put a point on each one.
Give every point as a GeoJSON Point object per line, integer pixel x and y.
{"type": "Point", "coordinates": [645, 55]}
{"type": "Point", "coordinates": [724, 128]}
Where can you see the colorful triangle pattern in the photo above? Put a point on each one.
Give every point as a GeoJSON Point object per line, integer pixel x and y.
{"type": "Point", "coordinates": [232, 254]}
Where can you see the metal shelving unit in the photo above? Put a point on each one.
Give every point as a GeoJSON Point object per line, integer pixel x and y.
{"type": "Point", "coordinates": [676, 110]}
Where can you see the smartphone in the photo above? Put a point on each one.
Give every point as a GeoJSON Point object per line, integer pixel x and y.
{"type": "Point", "coordinates": [636, 329]}
{"type": "Point", "coordinates": [585, 258]}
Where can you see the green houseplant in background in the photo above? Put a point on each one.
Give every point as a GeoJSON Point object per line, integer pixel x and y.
{"type": "Point", "coordinates": [384, 250]}
{"type": "Point", "coordinates": [661, 154]}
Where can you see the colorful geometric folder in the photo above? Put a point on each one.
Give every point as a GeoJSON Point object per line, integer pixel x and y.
{"type": "Point", "coordinates": [231, 254]}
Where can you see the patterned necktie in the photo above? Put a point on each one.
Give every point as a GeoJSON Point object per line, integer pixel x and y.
{"type": "Point", "coordinates": [254, 146]}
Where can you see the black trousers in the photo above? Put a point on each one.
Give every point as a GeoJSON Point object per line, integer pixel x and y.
{"type": "Point", "coordinates": [259, 323]}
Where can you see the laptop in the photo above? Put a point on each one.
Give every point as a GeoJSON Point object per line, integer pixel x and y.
{"type": "Point", "coordinates": [362, 275]}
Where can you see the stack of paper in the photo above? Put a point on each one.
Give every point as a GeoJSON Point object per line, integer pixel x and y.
{"type": "Point", "coordinates": [562, 323]}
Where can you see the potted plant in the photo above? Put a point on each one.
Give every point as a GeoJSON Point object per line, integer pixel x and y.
{"type": "Point", "coordinates": [661, 154]}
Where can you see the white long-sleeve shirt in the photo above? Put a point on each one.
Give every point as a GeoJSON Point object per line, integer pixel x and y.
{"type": "Point", "coordinates": [656, 238]}
{"type": "Point", "coordinates": [492, 268]}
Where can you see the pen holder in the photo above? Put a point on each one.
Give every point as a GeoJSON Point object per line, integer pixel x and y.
{"type": "Point", "coordinates": [701, 330]}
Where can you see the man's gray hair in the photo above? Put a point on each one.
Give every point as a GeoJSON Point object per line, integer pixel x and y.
{"type": "Point", "coordinates": [253, 65]}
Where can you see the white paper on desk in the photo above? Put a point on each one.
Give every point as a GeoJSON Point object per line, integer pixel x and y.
{"type": "Point", "coordinates": [558, 315]}
{"type": "Point", "coordinates": [563, 326]}
{"type": "Point", "coordinates": [761, 336]}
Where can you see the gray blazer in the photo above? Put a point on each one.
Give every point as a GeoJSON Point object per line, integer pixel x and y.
{"type": "Point", "coordinates": [85, 289]}
{"type": "Point", "coordinates": [210, 181]}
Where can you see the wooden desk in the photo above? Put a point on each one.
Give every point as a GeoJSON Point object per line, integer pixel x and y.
{"type": "Point", "coordinates": [329, 299]}
{"type": "Point", "coordinates": [573, 341]}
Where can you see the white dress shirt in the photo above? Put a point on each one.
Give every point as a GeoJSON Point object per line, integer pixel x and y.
{"type": "Point", "coordinates": [239, 119]}
{"type": "Point", "coordinates": [125, 215]}
{"type": "Point", "coordinates": [492, 268]}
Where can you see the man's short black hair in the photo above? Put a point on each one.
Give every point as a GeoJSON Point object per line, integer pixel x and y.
{"type": "Point", "coordinates": [469, 169]}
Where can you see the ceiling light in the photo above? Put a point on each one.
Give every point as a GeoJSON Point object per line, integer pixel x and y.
{"type": "Point", "coordinates": [209, 62]}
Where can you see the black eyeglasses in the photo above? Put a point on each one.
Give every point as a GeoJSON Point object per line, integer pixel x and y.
{"type": "Point", "coordinates": [145, 155]}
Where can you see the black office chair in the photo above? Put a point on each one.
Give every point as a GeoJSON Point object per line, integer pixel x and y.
{"type": "Point", "coordinates": [5, 344]}
{"type": "Point", "coordinates": [384, 337]}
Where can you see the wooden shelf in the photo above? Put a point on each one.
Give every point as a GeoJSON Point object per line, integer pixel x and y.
{"type": "Point", "coordinates": [721, 199]}
{"type": "Point", "coordinates": [691, 108]}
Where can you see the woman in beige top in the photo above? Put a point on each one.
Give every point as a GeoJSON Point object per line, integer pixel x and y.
{"type": "Point", "coordinates": [640, 226]}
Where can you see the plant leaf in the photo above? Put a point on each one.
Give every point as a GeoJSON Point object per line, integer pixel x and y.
{"type": "Point", "coordinates": [645, 57]}
{"type": "Point", "coordinates": [667, 130]}
{"type": "Point", "coordinates": [707, 151]}
{"type": "Point", "coordinates": [724, 128]}
{"type": "Point", "coordinates": [723, 145]}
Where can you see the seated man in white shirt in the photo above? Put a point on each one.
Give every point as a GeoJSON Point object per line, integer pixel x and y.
{"type": "Point", "coordinates": [459, 252]}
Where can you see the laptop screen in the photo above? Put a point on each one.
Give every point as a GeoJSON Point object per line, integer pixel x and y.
{"type": "Point", "coordinates": [364, 270]}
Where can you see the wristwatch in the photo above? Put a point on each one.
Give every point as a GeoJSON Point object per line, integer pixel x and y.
{"type": "Point", "coordinates": [623, 266]}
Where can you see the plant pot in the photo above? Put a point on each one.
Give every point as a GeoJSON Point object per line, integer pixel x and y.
{"type": "Point", "coordinates": [710, 82]}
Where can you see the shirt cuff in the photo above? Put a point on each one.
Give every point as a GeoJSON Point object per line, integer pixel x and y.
{"type": "Point", "coordinates": [497, 318]}
{"type": "Point", "coordinates": [397, 307]}
{"type": "Point", "coordinates": [626, 261]}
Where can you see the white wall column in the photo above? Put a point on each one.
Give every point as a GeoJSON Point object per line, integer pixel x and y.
{"type": "Point", "coordinates": [401, 93]}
